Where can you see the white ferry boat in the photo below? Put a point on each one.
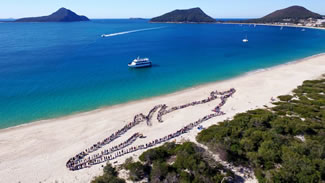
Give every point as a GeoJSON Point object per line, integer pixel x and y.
{"type": "Point", "coordinates": [140, 62]}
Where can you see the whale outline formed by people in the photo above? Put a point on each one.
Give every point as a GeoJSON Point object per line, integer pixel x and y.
{"type": "Point", "coordinates": [80, 161]}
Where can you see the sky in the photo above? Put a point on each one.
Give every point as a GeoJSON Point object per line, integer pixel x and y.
{"type": "Point", "coordinates": [152, 8]}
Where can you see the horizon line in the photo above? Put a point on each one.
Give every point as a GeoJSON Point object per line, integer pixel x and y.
{"type": "Point", "coordinates": [96, 18]}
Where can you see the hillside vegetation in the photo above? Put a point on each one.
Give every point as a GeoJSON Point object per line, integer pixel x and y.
{"type": "Point", "coordinates": [285, 143]}
{"type": "Point", "coordinates": [194, 15]}
{"type": "Point", "coordinates": [62, 15]}
{"type": "Point", "coordinates": [290, 15]}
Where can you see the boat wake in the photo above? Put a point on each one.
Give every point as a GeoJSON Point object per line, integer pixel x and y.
{"type": "Point", "coordinates": [131, 31]}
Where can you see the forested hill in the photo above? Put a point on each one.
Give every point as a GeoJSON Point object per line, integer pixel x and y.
{"type": "Point", "coordinates": [62, 15]}
{"type": "Point", "coordinates": [194, 15]}
{"type": "Point", "coordinates": [291, 14]}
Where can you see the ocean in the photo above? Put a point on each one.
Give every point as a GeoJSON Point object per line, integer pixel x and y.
{"type": "Point", "coordinates": [49, 70]}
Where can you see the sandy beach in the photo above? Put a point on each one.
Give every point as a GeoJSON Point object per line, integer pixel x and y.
{"type": "Point", "coordinates": [38, 152]}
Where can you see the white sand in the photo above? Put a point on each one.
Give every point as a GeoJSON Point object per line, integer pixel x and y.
{"type": "Point", "coordinates": [38, 151]}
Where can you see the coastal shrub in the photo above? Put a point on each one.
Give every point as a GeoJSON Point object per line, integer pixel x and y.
{"type": "Point", "coordinates": [179, 163]}
{"type": "Point", "coordinates": [127, 162]}
{"type": "Point", "coordinates": [110, 176]}
{"type": "Point", "coordinates": [285, 143]}
{"type": "Point", "coordinates": [285, 98]}
{"type": "Point", "coordinates": [159, 171]}
{"type": "Point", "coordinates": [159, 153]}
{"type": "Point", "coordinates": [137, 171]}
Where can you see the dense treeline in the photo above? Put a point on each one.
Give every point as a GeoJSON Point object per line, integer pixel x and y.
{"type": "Point", "coordinates": [285, 143]}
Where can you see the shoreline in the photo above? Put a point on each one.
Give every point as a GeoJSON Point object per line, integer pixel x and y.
{"type": "Point", "coordinates": [239, 23]}
{"type": "Point", "coordinates": [100, 109]}
{"type": "Point", "coordinates": [234, 23]}
{"type": "Point", "coordinates": [38, 151]}
{"type": "Point", "coordinates": [274, 25]}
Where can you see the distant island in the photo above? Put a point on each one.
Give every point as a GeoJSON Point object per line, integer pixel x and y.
{"type": "Point", "coordinates": [194, 15]}
{"type": "Point", "coordinates": [293, 15]}
{"type": "Point", "coordinates": [134, 18]}
{"type": "Point", "coordinates": [62, 15]}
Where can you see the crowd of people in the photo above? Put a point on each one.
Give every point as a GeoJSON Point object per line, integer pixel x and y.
{"type": "Point", "coordinates": [81, 161]}
{"type": "Point", "coordinates": [77, 163]}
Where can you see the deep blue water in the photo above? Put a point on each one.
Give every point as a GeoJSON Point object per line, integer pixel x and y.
{"type": "Point", "coordinates": [54, 69]}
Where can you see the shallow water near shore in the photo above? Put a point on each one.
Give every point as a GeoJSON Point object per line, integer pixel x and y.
{"type": "Point", "coordinates": [54, 69]}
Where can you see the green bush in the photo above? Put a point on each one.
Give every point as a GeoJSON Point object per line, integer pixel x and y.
{"type": "Point", "coordinates": [158, 154]}
{"type": "Point", "coordinates": [285, 98]}
{"type": "Point", "coordinates": [137, 171]}
{"type": "Point", "coordinates": [110, 176]}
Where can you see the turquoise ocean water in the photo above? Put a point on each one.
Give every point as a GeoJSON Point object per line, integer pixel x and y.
{"type": "Point", "coordinates": [54, 69]}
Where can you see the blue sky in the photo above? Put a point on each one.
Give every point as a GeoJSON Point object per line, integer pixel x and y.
{"type": "Point", "coordinates": [152, 8]}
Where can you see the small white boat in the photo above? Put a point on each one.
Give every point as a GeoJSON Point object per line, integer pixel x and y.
{"type": "Point", "coordinates": [245, 40]}
{"type": "Point", "coordinates": [140, 62]}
